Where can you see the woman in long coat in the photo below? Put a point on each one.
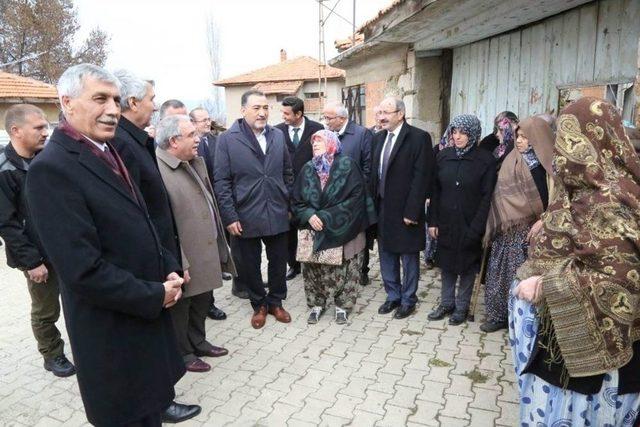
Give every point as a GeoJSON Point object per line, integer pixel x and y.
{"type": "Point", "coordinates": [464, 181]}
{"type": "Point", "coordinates": [520, 197]}
{"type": "Point", "coordinates": [575, 317]}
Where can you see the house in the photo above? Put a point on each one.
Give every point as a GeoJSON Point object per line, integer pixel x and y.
{"type": "Point", "coordinates": [15, 89]}
{"type": "Point", "coordinates": [290, 77]}
{"type": "Point", "coordinates": [448, 57]}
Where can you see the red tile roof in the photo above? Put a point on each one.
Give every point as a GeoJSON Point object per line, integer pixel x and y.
{"type": "Point", "coordinates": [301, 68]}
{"type": "Point", "coordinates": [284, 88]}
{"type": "Point", "coordinates": [15, 86]}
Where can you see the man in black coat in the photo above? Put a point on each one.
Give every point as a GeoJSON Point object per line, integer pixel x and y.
{"type": "Point", "coordinates": [402, 168]}
{"type": "Point", "coordinates": [297, 130]}
{"type": "Point", "coordinates": [116, 278]}
{"type": "Point", "coordinates": [253, 179]}
{"type": "Point", "coordinates": [28, 129]}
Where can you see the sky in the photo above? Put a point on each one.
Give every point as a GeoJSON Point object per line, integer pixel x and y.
{"type": "Point", "coordinates": [166, 40]}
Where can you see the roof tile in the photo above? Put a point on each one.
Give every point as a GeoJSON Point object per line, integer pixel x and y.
{"type": "Point", "coordinates": [15, 86]}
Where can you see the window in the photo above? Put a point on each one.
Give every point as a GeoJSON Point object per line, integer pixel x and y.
{"type": "Point", "coordinates": [619, 94]}
{"type": "Point", "coordinates": [353, 97]}
{"type": "Point", "coordinates": [313, 95]}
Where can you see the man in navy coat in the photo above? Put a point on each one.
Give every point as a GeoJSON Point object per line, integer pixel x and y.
{"type": "Point", "coordinates": [253, 178]}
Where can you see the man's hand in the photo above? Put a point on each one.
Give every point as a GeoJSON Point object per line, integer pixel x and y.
{"type": "Point", "coordinates": [172, 290]}
{"type": "Point", "coordinates": [235, 228]}
{"type": "Point", "coordinates": [316, 223]}
{"type": "Point", "coordinates": [40, 274]}
{"type": "Point", "coordinates": [535, 230]}
{"type": "Point", "coordinates": [433, 232]}
{"type": "Point", "coordinates": [407, 222]}
{"type": "Point", "coordinates": [529, 289]}
{"type": "Point", "coordinates": [186, 276]}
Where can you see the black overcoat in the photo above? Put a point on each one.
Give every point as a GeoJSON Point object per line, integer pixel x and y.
{"type": "Point", "coordinates": [111, 266]}
{"type": "Point", "coordinates": [303, 152]}
{"type": "Point", "coordinates": [253, 187]}
{"type": "Point", "coordinates": [138, 152]}
{"type": "Point", "coordinates": [460, 206]}
{"type": "Point", "coordinates": [407, 185]}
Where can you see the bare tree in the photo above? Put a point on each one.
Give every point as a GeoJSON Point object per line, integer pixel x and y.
{"type": "Point", "coordinates": [36, 38]}
{"type": "Point", "coordinates": [214, 104]}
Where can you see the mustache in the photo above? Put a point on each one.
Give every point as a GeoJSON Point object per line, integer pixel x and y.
{"type": "Point", "coordinates": [112, 121]}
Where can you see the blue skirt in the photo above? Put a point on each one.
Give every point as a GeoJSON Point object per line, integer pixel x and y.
{"type": "Point", "coordinates": [542, 404]}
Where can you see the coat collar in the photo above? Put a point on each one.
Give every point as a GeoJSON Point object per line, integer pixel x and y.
{"type": "Point", "coordinates": [15, 159]}
{"type": "Point", "coordinates": [350, 128]}
{"type": "Point", "coordinates": [404, 129]}
{"type": "Point", "coordinates": [253, 144]}
{"type": "Point", "coordinates": [167, 158]}
{"type": "Point", "coordinates": [136, 133]}
{"type": "Point", "coordinates": [449, 153]}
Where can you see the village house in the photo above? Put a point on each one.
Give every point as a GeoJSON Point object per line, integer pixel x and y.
{"type": "Point", "coordinates": [290, 77]}
{"type": "Point", "coordinates": [15, 89]}
{"type": "Point", "coordinates": [448, 57]}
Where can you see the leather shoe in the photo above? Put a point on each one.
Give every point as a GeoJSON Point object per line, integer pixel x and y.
{"type": "Point", "coordinates": [214, 351]}
{"type": "Point", "coordinates": [404, 311]}
{"type": "Point", "coordinates": [280, 314]}
{"type": "Point", "coordinates": [215, 313]}
{"type": "Point", "coordinates": [490, 326]}
{"type": "Point", "coordinates": [226, 276]}
{"type": "Point", "coordinates": [177, 412]}
{"type": "Point", "coordinates": [259, 317]}
{"type": "Point", "coordinates": [197, 365]}
{"type": "Point", "coordinates": [59, 366]}
{"type": "Point", "coordinates": [440, 312]}
{"type": "Point", "coordinates": [292, 273]}
{"type": "Point", "coordinates": [388, 307]}
{"type": "Point", "coordinates": [458, 317]}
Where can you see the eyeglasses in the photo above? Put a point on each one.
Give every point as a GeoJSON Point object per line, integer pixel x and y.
{"type": "Point", "coordinates": [202, 121]}
{"type": "Point", "coordinates": [388, 113]}
{"type": "Point", "coordinates": [327, 118]}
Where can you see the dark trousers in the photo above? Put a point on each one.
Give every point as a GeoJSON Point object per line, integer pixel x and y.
{"type": "Point", "coordinates": [248, 257]}
{"type": "Point", "coordinates": [45, 311]}
{"type": "Point", "coordinates": [188, 317]}
{"type": "Point", "coordinates": [292, 238]}
{"type": "Point", "coordinates": [151, 420]}
{"type": "Point", "coordinates": [403, 290]}
{"type": "Point", "coordinates": [461, 299]}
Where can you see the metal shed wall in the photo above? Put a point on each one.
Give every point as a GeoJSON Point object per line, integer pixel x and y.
{"type": "Point", "coordinates": [523, 70]}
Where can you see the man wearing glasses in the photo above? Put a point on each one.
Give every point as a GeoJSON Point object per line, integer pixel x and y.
{"type": "Point", "coordinates": [253, 178]}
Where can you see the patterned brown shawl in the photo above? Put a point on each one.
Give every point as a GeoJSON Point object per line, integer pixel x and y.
{"type": "Point", "coordinates": [516, 199]}
{"type": "Point", "coordinates": [589, 250]}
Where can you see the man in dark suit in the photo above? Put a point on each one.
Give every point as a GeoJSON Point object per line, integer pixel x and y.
{"type": "Point", "coordinates": [116, 278]}
{"type": "Point", "coordinates": [403, 164]}
{"type": "Point", "coordinates": [253, 179]}
{"type": "Point", "coordinates": [357, 144]}
{"type": "Point", "coordinates": [297, 130]}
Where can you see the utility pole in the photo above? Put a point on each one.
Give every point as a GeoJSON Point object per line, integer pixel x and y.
{"type": "Point", "coordinates": [322, 60]}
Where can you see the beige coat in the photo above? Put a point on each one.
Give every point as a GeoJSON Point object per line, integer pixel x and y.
{"type": "Point", "coordinates": [202, 239]}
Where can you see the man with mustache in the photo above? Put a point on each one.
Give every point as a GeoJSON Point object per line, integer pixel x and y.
{"type": "Point", "coordinates": [28, 130]}
{"type": "Point", "coordinates": [116, 278]}
{"type": "Point", "coordinates": [253, 178]}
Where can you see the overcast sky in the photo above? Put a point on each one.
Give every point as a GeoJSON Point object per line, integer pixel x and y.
{"type": "Point", "coordinates": [166, 40]}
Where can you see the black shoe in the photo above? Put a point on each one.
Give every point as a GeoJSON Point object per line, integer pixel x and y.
{"type": "Point", "coordinates": [388, 307]}
{"type": "Point", "coordinates": [440, 312]}
{"type": "Point", "coordinates": [458, 317]}
{"type": "Point", "coordinates": [490, 326]}
{"type": "Point", "coordinates": [404, 311]}
{"type": "Point", "coordinates": [177, 413]}
{"type": "Point", "coordinates": [292, 273]}
{"type": "Point", "coordinates": [215, 313]}
{"type": "Point", "coordinates": [227, 276]}
{"type": "Point", "coordinates": [60, 366]}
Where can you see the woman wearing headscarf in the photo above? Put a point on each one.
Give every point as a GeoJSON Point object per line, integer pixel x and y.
{"type": "Point", "coordinates": [500, 142]}
{"type": "Point", "coordinates": [330, 198]}
{"type": "Point", "coordinates": [520, 197]}
{"type": "Point", "coordinates": [574, 321]}
{"type": "Point", "coordinates": [464, 180]}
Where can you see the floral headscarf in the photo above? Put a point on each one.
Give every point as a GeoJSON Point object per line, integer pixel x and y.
{"type": "Point", "coordinates": [323, 162]}
{"type": "Point", "coordinates": [505, 125]}
{"type": "Point", "coordinates": [467, 124]}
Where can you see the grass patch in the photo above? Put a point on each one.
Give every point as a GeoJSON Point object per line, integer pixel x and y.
{"type": "Point", "coordinates": [439, 363]}
{"type": "Point", "coordinates": [476, 376]}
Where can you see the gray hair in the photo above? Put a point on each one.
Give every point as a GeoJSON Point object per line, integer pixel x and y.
{"type": "Point", "coordinates": [168, 128]}
{"type": "Point", "coordinates": [170, 103]}
{"type": "Point", "coordinates": [340, 109]}
{"type": "Point", "coordinates": [399, 104]}
{"type": "Point", "coordinates": [131, 86]}
{"type": "Point", "coordinates": [71, 82]}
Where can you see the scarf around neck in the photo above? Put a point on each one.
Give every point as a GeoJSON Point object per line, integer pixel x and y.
{"type": "Point", "coordinates": [588, 252]}
{"type": "Point", "coordinates": [323, 162]}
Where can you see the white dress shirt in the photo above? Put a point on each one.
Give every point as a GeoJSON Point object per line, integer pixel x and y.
{"type": "Point", "coordinates": [300, 132]}
{"type": "Point", "coordinates": [262, 141]}
{"type": "Point", "coordinates": [395, 133]}
{"type": "Point", "coordinates": [101, 145]}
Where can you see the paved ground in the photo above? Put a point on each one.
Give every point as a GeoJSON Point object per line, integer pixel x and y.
{"type": "Point", "coordinates": [373, 371]}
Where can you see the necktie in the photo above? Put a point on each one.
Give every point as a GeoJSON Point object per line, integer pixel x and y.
{"type": "Point", "coordinates": [384, 164]}
{"type": "Point", "coordinates": [296, 138]}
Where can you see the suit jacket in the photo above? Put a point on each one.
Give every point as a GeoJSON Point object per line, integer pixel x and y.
{"type": "Point", "coordinates": [253, 187]}
{"type": "Point", "coordinates": [356, 143]}
{"type": "Point", "coordinates": [111, 265]}
{"type": "Point", "coordinates": [407, 184]}
{"type": "Point", "coordinates": [207, 150]}
{"type": "Point", "coordinates": [198, 222]}
{"type": "Point", "coordinates": [137, 151]}
{"type": "Point", "coordinates": [303, 152]}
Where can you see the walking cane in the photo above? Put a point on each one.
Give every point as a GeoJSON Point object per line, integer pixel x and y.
{"type": "Point", "coordinates": [478, 282]}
